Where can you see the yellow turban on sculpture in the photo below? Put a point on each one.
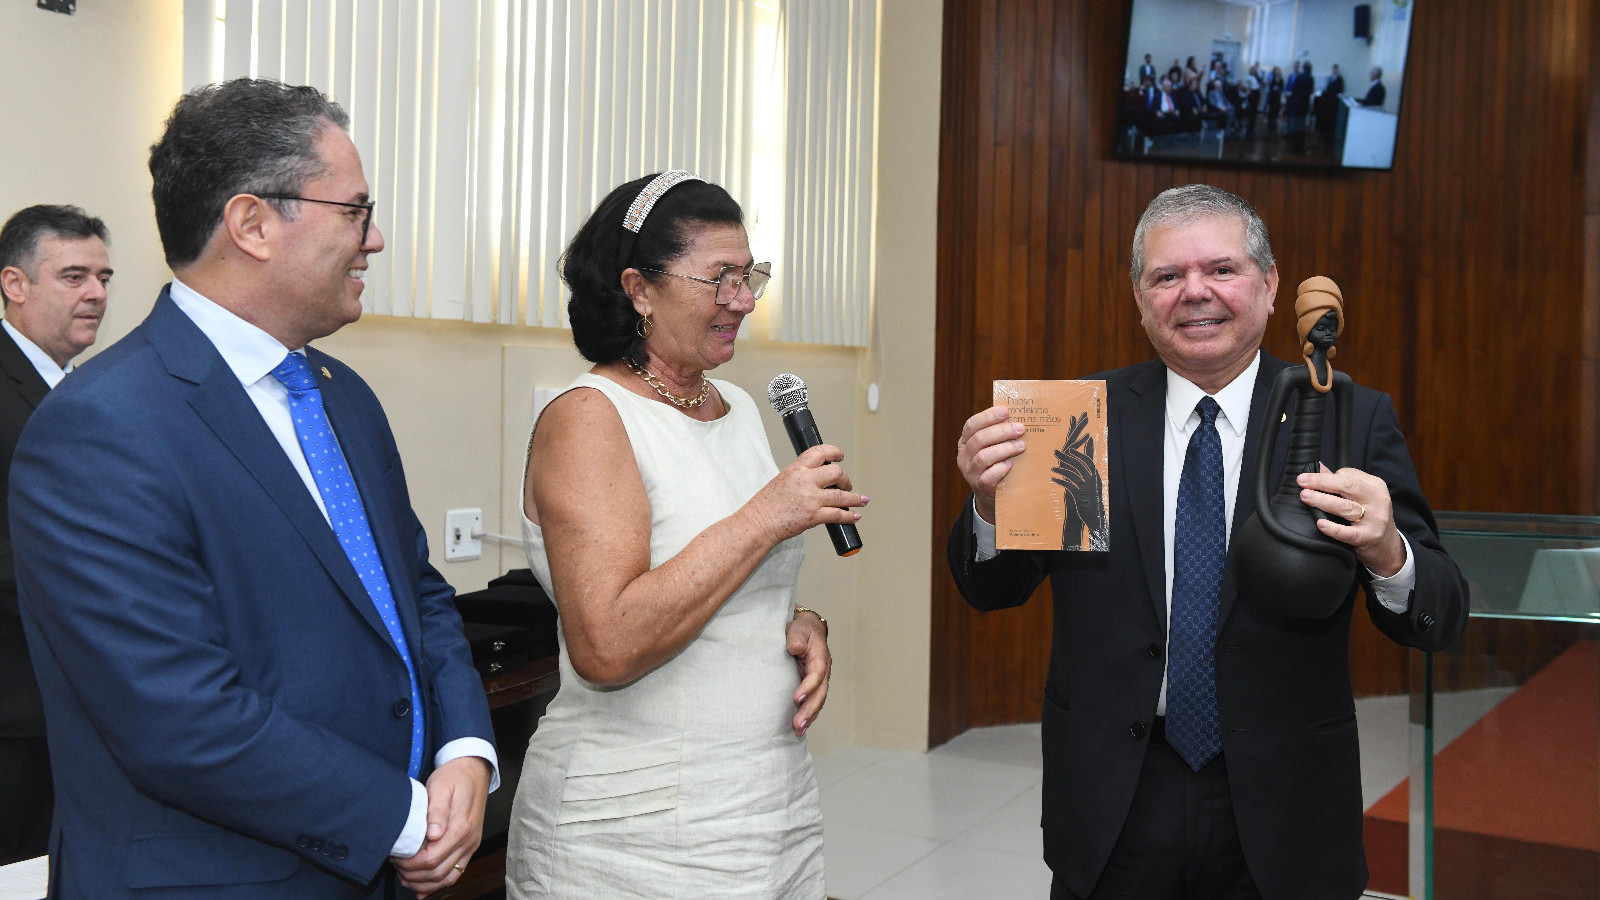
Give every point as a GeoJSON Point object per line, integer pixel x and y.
{"type": "Point", "coordinates": [1317, 295]}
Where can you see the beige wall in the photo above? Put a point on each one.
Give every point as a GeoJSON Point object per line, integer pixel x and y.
{"type": "Point", "coordinates": [87, 94]}
{"type": "Point", "coordinates": [896, 462]}
{"type": "Point", "coordinates": [84, 97]}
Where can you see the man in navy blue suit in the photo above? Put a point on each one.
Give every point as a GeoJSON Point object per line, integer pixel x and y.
{"type": "Point", "coordinates": [254, 682]}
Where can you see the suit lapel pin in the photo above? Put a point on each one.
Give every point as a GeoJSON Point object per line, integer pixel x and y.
{"type": "Point", "coordinates": [326, 374]}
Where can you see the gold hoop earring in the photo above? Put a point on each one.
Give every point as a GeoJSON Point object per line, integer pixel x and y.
{"type": "Point", "coordinates": [643, 327]}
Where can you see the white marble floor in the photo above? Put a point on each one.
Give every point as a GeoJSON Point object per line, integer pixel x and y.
{"type": "Point", "coordinates": [962, 821]}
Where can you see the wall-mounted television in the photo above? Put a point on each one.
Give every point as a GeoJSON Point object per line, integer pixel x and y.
{"type": "Point", "coordinates": [1305, 83]}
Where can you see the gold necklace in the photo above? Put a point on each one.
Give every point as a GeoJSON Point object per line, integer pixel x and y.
{"type": "Point", "coordinates": [661, 388]}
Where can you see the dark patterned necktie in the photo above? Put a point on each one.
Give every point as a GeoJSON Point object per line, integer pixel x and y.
{"type": "Point", "coordinates": [348, 516]}
{"type": "Point", "coordinates": [1199, 547]}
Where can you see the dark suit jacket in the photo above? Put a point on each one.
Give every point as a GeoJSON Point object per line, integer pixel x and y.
{"type": "Point", "coordinates": [1283, 685]}
{"type": "Point", "coordinates": [21, 389]}
{"type": "Point", "coordinates": [1298, 102]}
{"type": "Point", "coordinates": [1375, 95]}
{"type": "Point", "coordinates": [226, 711]}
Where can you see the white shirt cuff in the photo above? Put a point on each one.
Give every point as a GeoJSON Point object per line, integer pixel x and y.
{"type": "Point", "coordinates": [984, 532]}
{"type": "Point", "coordinates": [471, 746]}
{"type": "Point", "coordinates": [416, 830]}
{"type": "Point", "coordinates": [1394, 592]}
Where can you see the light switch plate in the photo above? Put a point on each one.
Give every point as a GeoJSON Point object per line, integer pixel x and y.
{"type": "Point", "coordinates": [459, 527]}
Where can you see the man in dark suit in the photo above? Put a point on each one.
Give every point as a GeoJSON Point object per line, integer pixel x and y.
{"type": "Point", "coordinates": [254, 683]}
{"type": "Point", "coordinates": [1233, 771]}
{"type": "Point", "coordinates": [1326, 107]}
{"type": "Point", "coordinates": [54, 269]}
{"type": "Point", "coordinates": [1148, 70]}
{"type": "Point", "coordinates": [1376, 92]}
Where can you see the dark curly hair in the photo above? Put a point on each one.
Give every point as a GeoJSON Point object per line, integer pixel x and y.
{"type": "Point", "coordinates": [600, 312]}
{"type": "Point", "coordinates": [245, 136]}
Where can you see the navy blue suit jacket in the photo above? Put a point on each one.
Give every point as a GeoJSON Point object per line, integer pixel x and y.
{"type": "Point", "coordinates": [1283, 685]}
{"type": "Point", "coordinates": [223, 704]}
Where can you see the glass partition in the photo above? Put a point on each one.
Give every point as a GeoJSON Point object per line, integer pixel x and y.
{"type": "Point", "coordinates": [1505, 733]}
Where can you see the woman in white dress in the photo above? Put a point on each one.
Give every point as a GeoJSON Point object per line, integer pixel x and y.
{"type": "Point", "coordinates": [672, 763]}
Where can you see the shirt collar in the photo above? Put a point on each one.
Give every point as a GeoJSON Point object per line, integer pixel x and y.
{"type": "Point", "coordinates": [251, 353]}
{"type": "Point", "coordinates": [1183, 395]}
{"type": "Point", "coordinates": [42, 363]}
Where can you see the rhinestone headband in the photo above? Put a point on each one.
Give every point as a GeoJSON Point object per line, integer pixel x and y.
{"type": "Point", "coordinates": [652, 192]}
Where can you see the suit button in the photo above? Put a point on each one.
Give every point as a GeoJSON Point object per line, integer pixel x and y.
{"type": "Point", "coordinates": [1425, 621]}
{"type": "Point", "coordinates": [402, 708]}
{"type": "Point", "coordinates": [303, 842]}
{"type": "Point", "coordinates": [1136, 729]}
{"type": "Point", "coordinates": [340, 852]}
{"type": "Point", "coordinates": [1154, 650]}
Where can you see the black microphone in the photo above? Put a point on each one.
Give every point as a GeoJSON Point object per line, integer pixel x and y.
{"type": "Point", "coordinates": [787, 394]}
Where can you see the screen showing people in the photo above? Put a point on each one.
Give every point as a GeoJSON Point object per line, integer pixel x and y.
{"type": "Point", "coordinates": [1297, 83]}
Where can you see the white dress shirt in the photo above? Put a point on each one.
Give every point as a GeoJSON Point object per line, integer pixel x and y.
{"type": "Point", "coordinates": [252, 354]}
{"type": "Point", "coordinates": [47, 368]}
{"type": "Point", "coordinates": [1233, 423]}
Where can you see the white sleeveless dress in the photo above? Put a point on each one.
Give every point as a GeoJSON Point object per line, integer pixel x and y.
{"type": "Point", "coordinates": [689, 782]}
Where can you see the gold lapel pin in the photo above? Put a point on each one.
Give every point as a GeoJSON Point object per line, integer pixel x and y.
{"type": "Point", "coordinates": [326, 374]}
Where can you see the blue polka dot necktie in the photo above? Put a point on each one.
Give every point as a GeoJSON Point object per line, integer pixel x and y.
{"type": "Point", "coordinates": [1199, 548]}
{"type": "Point", "coordinates": [347, 515]}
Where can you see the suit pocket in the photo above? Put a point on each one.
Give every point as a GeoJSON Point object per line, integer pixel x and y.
{"type": "Point", "coordinates": [216, 858]}
{"type": "Point", "coordinates": [621, 782]}
{"type": "Point", "coordinates": [1054, 696]}
{"type": "Point", "coordinates": [1335, 724]}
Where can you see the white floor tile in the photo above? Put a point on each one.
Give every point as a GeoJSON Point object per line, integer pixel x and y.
{"type": "Point", "coordinates": [1013, 828]}
{"type": "Point", "coordinates": [956, 872]}
{"type": "Point", "coordinates": [925, 794]}
{"type": "Point", "coordinates": [843, 762]}
{"type": "Point", "coordinates": [1384, 724]}
{"type": "Point", "coordinates": [1384, 729]}
{"type": "Point", "coordinates": [859, 859]}
{"type": "Point", "coordinates": [962, 821]}
{"type": "Point", "coordinates": [1016, 745]}
{"type": "Point", "coordinates": [1456, 711]}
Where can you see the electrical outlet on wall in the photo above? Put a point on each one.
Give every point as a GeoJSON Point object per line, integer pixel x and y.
{"type": "Point", "coordinates": [463, 534]}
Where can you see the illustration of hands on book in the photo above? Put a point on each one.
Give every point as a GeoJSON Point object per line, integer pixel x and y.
{"type": "Point", "coordinates": [1085, 504]}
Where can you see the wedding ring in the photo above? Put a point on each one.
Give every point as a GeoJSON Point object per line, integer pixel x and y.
{"type": "Point", "coordinates": [459, 868]}
{"type": "Point", "coordinates": [1361, 515]}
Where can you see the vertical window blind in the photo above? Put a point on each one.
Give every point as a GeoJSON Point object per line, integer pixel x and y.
{"type": "Point", "coordinates": [490, 128]}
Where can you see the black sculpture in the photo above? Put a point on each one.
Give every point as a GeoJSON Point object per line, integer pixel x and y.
{"type": "Point", "coordinates": [1285, 565]}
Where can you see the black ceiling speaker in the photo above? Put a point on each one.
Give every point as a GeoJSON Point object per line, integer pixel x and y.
{"type": "Point", "coordinates": [1364, 22]}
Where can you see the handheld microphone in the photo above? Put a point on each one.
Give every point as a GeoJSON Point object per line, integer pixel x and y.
{"type": "Point", "coordinates": [787, 394]}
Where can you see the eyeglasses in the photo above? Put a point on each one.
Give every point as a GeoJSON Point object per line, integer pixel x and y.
{"type": "Point", "coordinates": [729, 279]}
{"type": "Point", "coordinates": [366, 222]}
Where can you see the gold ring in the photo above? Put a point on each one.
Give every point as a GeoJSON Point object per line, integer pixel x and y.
{"type": "Point", "coordinates": [1361, 515]}
{"type": "Point", "coordinates": [459, 868]}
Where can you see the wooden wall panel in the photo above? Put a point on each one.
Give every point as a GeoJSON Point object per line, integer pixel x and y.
{"type": "Point", "coordinates": [1469, 290]}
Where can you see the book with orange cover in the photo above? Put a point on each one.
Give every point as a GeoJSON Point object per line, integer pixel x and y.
{"type": "Point", "coordinates": [1055, 496]}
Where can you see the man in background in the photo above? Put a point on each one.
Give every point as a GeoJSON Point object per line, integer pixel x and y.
{"type": "Point", "coordinates": [254, 682]}
{"type": "Point", "coordinates": [54, 270]}
{"type": "Point", "coordinates": [1376, 92]}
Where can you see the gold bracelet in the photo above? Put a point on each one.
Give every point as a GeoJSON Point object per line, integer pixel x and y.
{"type": "Point", "coordinates": [800, 609]}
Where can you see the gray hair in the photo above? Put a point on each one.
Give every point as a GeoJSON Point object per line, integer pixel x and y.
{"type": "Point", "coordinates": [1192, 202]}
